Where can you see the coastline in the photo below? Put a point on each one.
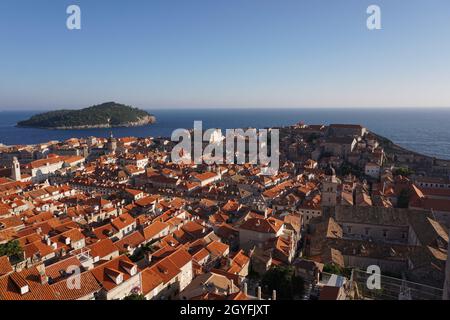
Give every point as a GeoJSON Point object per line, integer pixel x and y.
{"type": "Point", "coordinates": [416, 136]}
{"type": "Point", "coordinates": [389, 145]}
{"type": "Point", "coordinates": [141, 122]}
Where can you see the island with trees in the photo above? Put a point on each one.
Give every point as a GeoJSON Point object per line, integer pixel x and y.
{"type": "Point", "coordinates": [105, 115]}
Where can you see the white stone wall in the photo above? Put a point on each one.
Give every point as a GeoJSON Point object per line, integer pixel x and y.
{"type": "Point", "coordinates": [124, 289]}
{"type": "Point", "coordinates": [186, 275]}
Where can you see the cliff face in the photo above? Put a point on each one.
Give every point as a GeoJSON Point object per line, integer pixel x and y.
{"type": "Point", "coordinates": [106, 115]}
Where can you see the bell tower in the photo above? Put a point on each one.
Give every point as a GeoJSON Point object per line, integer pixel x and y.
{"type": "Point", "coordinates": [112, 143]}
{"type": "Point", "coordinates": [329, 188]}
{"type": "Point", "coordinates": [15, 170]}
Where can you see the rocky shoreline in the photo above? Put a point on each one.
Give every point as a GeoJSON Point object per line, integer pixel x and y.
{"type": "Point", "coordinates": [141, 122]}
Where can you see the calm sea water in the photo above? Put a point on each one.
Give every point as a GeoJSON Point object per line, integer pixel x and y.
{"type": "Point", "coordinates": [426, 131]}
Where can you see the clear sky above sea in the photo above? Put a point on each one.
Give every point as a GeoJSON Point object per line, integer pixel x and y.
{"type": "Point", "coordinates": [224, 53]}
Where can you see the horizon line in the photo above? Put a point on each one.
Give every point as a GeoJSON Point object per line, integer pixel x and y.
{"type": "Point", "coordinates": [160, 108]}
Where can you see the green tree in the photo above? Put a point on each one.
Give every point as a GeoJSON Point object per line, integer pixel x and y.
{"type": "Point", "coordinates": [332, 268]}
{"type": "Point", "coordinates": [403, 172]}
{"type": "Point", "coordinates": [335, 269]}
{"type": "Point", "coordinates": [134, 296]}
{"type": "Point", "coordinates": [403, 199]}
{"type": "Point", "coordinates": [252, 274]}
{"type": "Point", "coordinates": [283, 280]}
{"type": "Point", "coordinates": [11, 249]}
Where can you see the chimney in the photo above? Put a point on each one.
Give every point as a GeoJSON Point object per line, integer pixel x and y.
{"type": "Point", "coordinates": [245, 288]}
{"type": "Point", "coordinates": [258, 293]}
{"type": "Point", "coordinates": [229, 262]}
{"type": "Point", "coordinates": [232, 286]}
{"type": "Point", "coordinates": [149, 257]}
{"type": "Point", "coordinates": [42, 276]}
{"type": "Point", "coordinates": [274, 295]}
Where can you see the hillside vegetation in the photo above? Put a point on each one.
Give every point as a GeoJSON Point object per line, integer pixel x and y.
{"type": "Point", "coordinates": [108, 114]}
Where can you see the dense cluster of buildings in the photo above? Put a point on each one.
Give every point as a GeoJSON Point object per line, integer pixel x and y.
{"type": "Point", "coordinates": [98, 218]}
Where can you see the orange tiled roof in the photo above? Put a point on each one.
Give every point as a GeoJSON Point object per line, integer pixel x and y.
{"type": "Point", "coordinates": [150, 280]}
{"type": "Point", "coordinates": [5, 265]}
{"type": "Point", "coordinates": [56, 271]}
{"type": "Point", "coordinates": [269, 225]}
{"type": "Point", "coordinates": [39, 248]}
{"type": "Point", "coordinates": [165, 269]}
{"type": "Point", "coordinates": [88, 286]}
{"type": "Point", "coordinates": [122, 221]}
{"type": "Point", "coordinates": [133, 240]}
{"type": "Point", "coordinates": [43, 162]}
{"type": "Point", "coordinates": [155, 228]}
{"type": "Point", "coordinates": [29, 278]}
{"type": "Point", "coordinates": [102, 248]}
{"type": "Point", "coordinates": [101, 272]}
{"type": "Point", "coordinates": [217, 248]}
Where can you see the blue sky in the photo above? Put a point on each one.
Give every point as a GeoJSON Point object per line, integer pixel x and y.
{"type": "Point", "coordinates": [224, 53]}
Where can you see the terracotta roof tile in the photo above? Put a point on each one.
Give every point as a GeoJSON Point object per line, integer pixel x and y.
{"type": "Point", "coordinates": [88, 286]}
{"type": "Point", "coordinates": [5, 266]}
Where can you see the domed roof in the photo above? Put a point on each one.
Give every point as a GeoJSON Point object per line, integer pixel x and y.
{"type": "Point", "coordinates": [329, 171]}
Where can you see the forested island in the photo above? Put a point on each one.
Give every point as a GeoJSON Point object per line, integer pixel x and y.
{"type": "Point", "coordinates": [105, 115]}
